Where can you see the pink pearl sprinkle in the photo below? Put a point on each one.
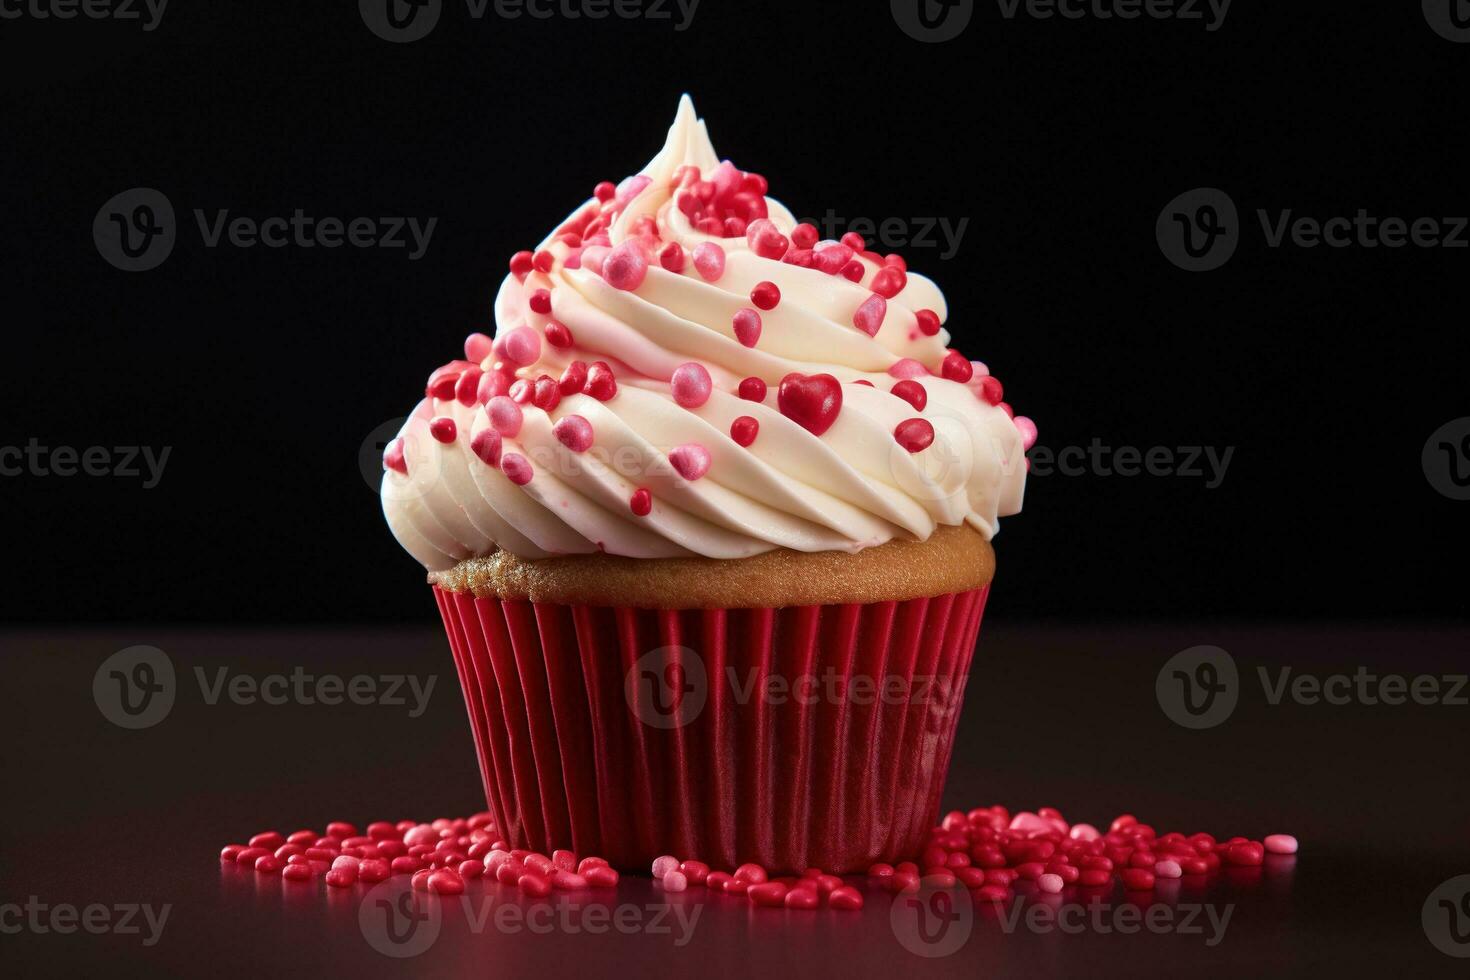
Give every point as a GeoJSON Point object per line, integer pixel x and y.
{"type": "Point", "coordinates": [1280, 844]}
{"type": "Point", "coordinates": [486, 445]}
{"type": "Point", "coordinates": [709, 261]}
{"type": "Point", "coordinates": [664, 864]}
{"type": "Point", "coordinates": [869, 316]}
{"type": "Point", "coordinates": [907, 367]}
{"type": "Point", "coordinates": [1084, 832]}
{"type": "Point", "coordinates": [747, 326]}
{"type": "Point", "coordinates": [674, 881]}
{"type": "Point", "coordinates": [626, 266]}
{"type": "Point", "coordinates": [574, 432]}
{"type": "Point", "coordinates": [1168, 869]}
{"type": "Point", "coordinates": [517, 468]}
{"type": "Point", "coordinates": [521, 346]}
{"type": "Point", "coordinates": [476, 347]}
{"type": "Point", "coordinates": [1049, 883]}
{"type": "Point", "coordinates": [505, 415]}
{"type": "Point", "coordinates": [1027, 428]}
{"type": "Point", "coordinates": [691, 460]}
{"type": "Point", "coordinates": [692, 385]}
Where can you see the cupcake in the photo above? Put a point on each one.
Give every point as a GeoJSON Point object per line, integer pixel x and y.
{"type": "Point", "coordinates": [708, 523]}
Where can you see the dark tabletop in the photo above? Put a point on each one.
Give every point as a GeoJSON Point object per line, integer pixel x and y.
{"type": "Point", "coordinates": [100, 815]}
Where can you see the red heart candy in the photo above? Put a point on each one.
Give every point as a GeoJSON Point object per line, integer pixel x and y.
{"type": "Point", "coordinates": [812, 401]}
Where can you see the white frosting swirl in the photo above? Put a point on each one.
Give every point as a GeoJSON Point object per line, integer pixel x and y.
{"type": "Point", "coordinates": [849, 488]}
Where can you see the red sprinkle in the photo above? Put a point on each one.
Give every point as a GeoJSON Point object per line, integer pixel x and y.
{"type": "Point", "coordinates": [914, 435]}
{"type": "Point", "coordinates": [673, 258]}
{"type": "Point", "coordinates": [521, 264]}
{"type": "Point", "coordinates": [991, 389]}
{"type": "Point", "coordinates": [928, 322]}
{"type": "Point", "coordinates": [744, 430]}
{"type": "Point", "coordinates": [911, 392]}
{"type": "Point", "coordinates": [541, 302]}
{"type": "Point", "coordinates": [753, 390]}
{"type": "Point", "coordinates": [641, 503]}
{"type": "Point", "coordinates": [766, 295]}
{"type": "Point", "coordinates": [601, 383]}
{"type": "Point", "coordinates": [557, 335]}
{"type": "Point", "coordinates": [747, 324]}
{"type": "Point", "coordinates": [442, 429]}
{"type": "Point", "coordinates": [957, 367]}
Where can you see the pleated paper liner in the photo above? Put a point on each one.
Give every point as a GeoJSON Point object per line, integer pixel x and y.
{"type": "Point", "coordinates": [808, 736]}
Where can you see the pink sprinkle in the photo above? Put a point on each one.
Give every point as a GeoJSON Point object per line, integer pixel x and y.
{"type": "Point", "coordinates": [674, 881]}
{"type": "Point", "coordinates": [594, 257]}
{"type": "Point", "coordinates": [1168, 869]}
{"type": "Point", "coordinates": [664, 864]}
{"type": "Point", "coordinates": [832, 259]}
{"type": "Point", "coordinates": [869, 316]}
{"type": "Point", "coordinates": [626, 266]}
{"type": "Point", "coordinates": [907, 367]}
{"type": "Point", "coordinates": [1051, 884]}
{"type": "Point", "coordinates": [505, 415]}
{"type": "Point", "coordinates": [486, 445]}
{"type": "Point", "coordinates": [476, 347]}
{"type": "Point", "coordinates": [1027, 428]}
{"type": "Point", "coordinates": [521, 346]}
{"type": "Point", "coordinates": [631, 188]}
{"type": "Point", "coordinates": [691, 460]}
{"type": "Point", "coordinates": [1277, 843]}
{"type": "Point", "coordinates": [574, 432]}
{"type": "Point", "coordinates": [691, 383]}
{"type": "Point", "coordinates": [747, 326]}
{"type": "Point", "coordinates": [1084, 832]}
{"type": "Point", "coordinates": [709, 261]}
{"type": "Point", "coordinates": [443, 429]}
{"type": "Point", "coordinates": [493, 383]}
{"type": "Point", "coordinates": [765, 239]}
{"type": "Point", "coordinates": [517, 468]}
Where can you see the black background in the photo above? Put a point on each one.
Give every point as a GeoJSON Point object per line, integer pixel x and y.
{"type": "Point", "coordinates": [1059, 140]}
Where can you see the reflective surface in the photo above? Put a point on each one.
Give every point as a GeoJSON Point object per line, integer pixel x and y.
{"type": "Point", "coordinates": [102, 815]}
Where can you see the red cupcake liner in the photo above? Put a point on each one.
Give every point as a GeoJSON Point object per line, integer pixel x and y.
{"type": "Point", "coordinates": [807, 736]}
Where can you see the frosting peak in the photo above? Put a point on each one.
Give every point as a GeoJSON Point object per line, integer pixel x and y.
{"type": "Point", "coordinates": [681, 368]}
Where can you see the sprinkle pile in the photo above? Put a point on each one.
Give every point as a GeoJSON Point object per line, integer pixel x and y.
{"type": "Point", "coordinates": [985, 850]}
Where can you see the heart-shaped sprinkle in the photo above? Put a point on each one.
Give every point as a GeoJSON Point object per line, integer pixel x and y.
{"type": "Point", "coordinates": [811, 401]}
